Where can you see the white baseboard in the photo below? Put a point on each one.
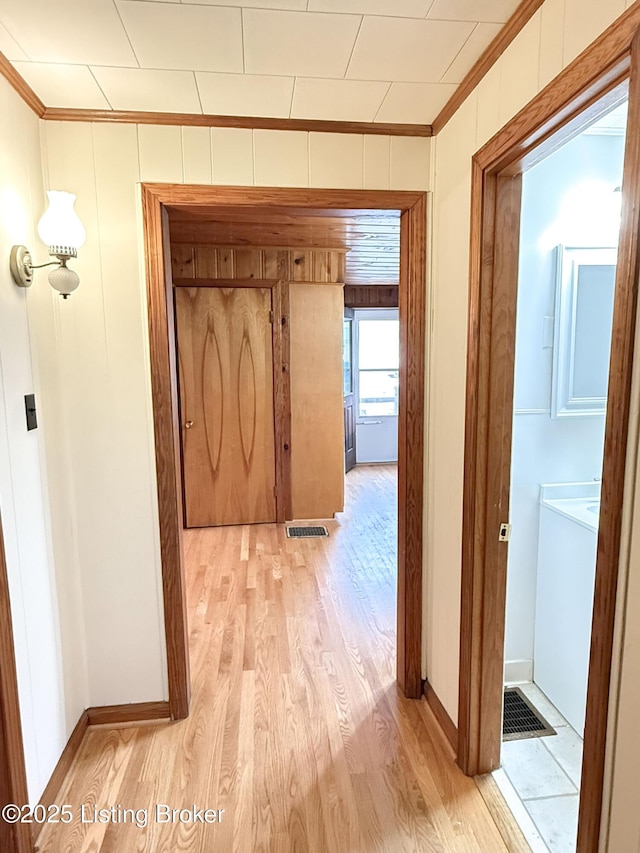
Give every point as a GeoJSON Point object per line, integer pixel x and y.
{"type": "Point", "coordinates": [518, 671]}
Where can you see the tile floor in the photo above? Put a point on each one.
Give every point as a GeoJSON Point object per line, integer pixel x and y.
{"type": "Point", "coordinates": [545, 774]}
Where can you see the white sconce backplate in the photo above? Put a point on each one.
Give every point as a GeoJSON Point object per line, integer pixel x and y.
{"type": "Point", "coordinates": [21, 266]}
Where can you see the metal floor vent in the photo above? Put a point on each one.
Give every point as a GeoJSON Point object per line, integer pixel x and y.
{"type": "Point", "coordinates": [521, 719]}
{"type": "Point", "coordinates": [306, 532]}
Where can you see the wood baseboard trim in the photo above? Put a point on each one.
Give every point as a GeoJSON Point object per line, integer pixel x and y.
{"type": "Point", "coordinates": [506, 823]}
{"type": "Point", "coordinates": [445, 722]}
{"type": "Point", "coordinates": [65, 761]}
{"type": "Point", "coordinates": [136, 712]}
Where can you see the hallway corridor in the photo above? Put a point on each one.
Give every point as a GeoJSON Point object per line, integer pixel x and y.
{"type": "Point", "coordinates": [297, 729]}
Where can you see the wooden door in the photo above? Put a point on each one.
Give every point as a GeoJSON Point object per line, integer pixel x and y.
{"type": "Point", "coordinates": [349, 396]}
{"type": "Point", "coordinates": [225, 353]}
{"type": "Point", "coordinates": [317, 430]}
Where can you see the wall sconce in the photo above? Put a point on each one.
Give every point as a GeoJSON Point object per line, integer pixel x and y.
{"type": "Point", "coordinates": [62, 231]}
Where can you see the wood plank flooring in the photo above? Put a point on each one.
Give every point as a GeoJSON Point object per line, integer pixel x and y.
{"type": "Point", "coordinates": [297, 729]}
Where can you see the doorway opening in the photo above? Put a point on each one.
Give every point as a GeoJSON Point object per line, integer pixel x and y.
{"type": "Point", "coordinates": [569, 231]}
{"type": "Point", "coordinates": [600, 80]}
{"type": "Point", "coordinates": [377, 379]}
{"type": "Point", "coordinates": [163, 203]}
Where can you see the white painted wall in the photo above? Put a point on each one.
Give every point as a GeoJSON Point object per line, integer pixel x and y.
{"type": "Point", "coordinates": [546, 449]}
{"type": "Point", "coordinates": [106, 348]}
{"type": "Point", "coordinates": [49, 657]}
{"type": "Point", "coordinates": [550, 41]}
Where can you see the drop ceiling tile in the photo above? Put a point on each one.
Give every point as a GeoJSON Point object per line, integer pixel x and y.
{"type": "Point", "coordinates": [155, 91]}
{"type": "Point", "coordinates": [490, 11]}
{"type": "Point", "coordinates": [9, 46]}
{"type": "Point", "coordinates": [404, 50]}
{"type": "Point", "coordinates": [303, 44]}
{"type": "Point", "coordinates": [184, 37]}
{"type": "Point", "coordinates": [245, 94]}
{"type": "Point", "coordinates": [57, 85]}
{"type": "Point", "coordinates": [291, 5]}
{"type": "Point", "coordinates": [69, 31]}
{"type": "Point", "coordinates": [393, 8]}
{"type": "Point", "coordinates": [473, 48]}
{"type": "Point", "coordinates": [337, 100]}
{"type": "Point", "coordinates": [414, 103]}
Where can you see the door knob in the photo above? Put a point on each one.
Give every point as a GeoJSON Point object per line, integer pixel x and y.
{"type": "Point", "coordinates": [188, 425]}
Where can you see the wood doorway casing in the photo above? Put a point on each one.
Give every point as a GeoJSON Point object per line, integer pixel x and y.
{"type": "Point", "coordinates": [17, 837]}
{"type": "Point", "coordinates": [590, 85]}
{"type": "Point", "coordinates": [412, 302]}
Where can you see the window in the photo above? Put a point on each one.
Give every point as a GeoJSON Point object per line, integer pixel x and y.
{"type": "Point", "coordinates": [347, 355]}
{"type": "Point", "coordinates": [378, 367]}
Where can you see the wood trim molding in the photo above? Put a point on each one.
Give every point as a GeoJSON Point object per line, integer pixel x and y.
{"type": "Point", "coordinates": [249, 122]}
{"type": "Point", "coordinates": [13, 781]}
{"type": "Point", "coordinates": [167, 446]}
{"type": "Point", "coordinates": [110, 715]}
{"type": "Point", "coordinates": [613, 476]}
{"type": "Point", "coordinates": [135, 712]}
{"type": "Point", "coordinates": [503, 818]}
{"type": "Point", "coordinates": [491, 357]}
{"type": "Point", "coordinates": [412, 205]}
{"type": "Point", "coordinates": [282, 399]}
{"type": "Point", "coordinates": [21, 86]}
{"type": "Point", "coordinates": [54, 785]}
{"type": "Point", "coordinates": [445, 722]}
{"type": "Point", "coordinates": [523, 14]}
{"type": "Point", "coordinates": [412, 296]}
{"type": "Point", "coordinates": [594, 73]}
{"type": "Point", "coordinates": [551, 118]}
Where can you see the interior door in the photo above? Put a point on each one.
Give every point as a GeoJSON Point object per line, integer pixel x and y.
{"type": "Point", "coordinates": [349, 391]}
{"type": "Point", "coordinates": [225, 352]}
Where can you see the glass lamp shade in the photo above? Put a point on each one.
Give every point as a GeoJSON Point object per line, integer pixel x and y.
{"type": "Point", "coordinates": [64, 280]}
{"type": "Point", "coordinates": [60, 227]}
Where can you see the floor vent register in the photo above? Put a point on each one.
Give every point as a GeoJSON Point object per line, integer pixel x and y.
{"type": "Point", "coordinates": [521, 719]}
{"type": "Point", "coordinates": [306, 532]}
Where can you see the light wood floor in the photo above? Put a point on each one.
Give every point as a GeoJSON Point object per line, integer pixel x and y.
{"type": "Point", "coordinates": [297, 729]}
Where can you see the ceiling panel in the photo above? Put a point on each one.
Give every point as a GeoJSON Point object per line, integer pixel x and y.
{"type": "Point", "coordinates": [337, 100]}
{"type": "Point", "coordinates": [393, 8]}
{"type": "Point", "coordinates": [479, 39]}
{"type": "Point", "coordinates": [184, 37]}
{"type": "Point", "coordinates": [63, 85]}
{"type": "Point", "coordinates": [245, 94]}
{"type": "Point", "coordinates": [153, 91]}
{"type": "Point", "coordinates": [331, 60]}
{"type": "Point", "coordinates": [302, 44]}
{"type": "Point", "coordinates": [292, 5]}
{"type": "Point", "coordinates": [9, 46]}
{"type": "Point", "coordinates": [372, 237]}
{"type": "Point", "coordinates": [69, 31]}
{"type": "Point", "coordinates": [491, 11]}
{"type": "Point", "coordinates": [414, 102]}
{"type": "Point", "coordinates": [410, 51]}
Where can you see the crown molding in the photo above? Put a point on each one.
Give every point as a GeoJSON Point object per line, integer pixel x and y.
{"type": "Point", "coordinates": [250, 122]}
{"type": "Point", "coordinates": [523, 14]}
{"type": "Point", "coordinates": [21, 86]}
{"type": "Point", "coordinates": [493, 52]}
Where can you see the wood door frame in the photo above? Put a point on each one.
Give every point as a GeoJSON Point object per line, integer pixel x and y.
{"type": "Point", "coordinates": [281, 381]}
{"type": "Point", "coordinates": [11, 746]}
{"type": "Point", "coordinates": [576, 97]}
{"type": "Point", "coordinates": [412, 298]}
